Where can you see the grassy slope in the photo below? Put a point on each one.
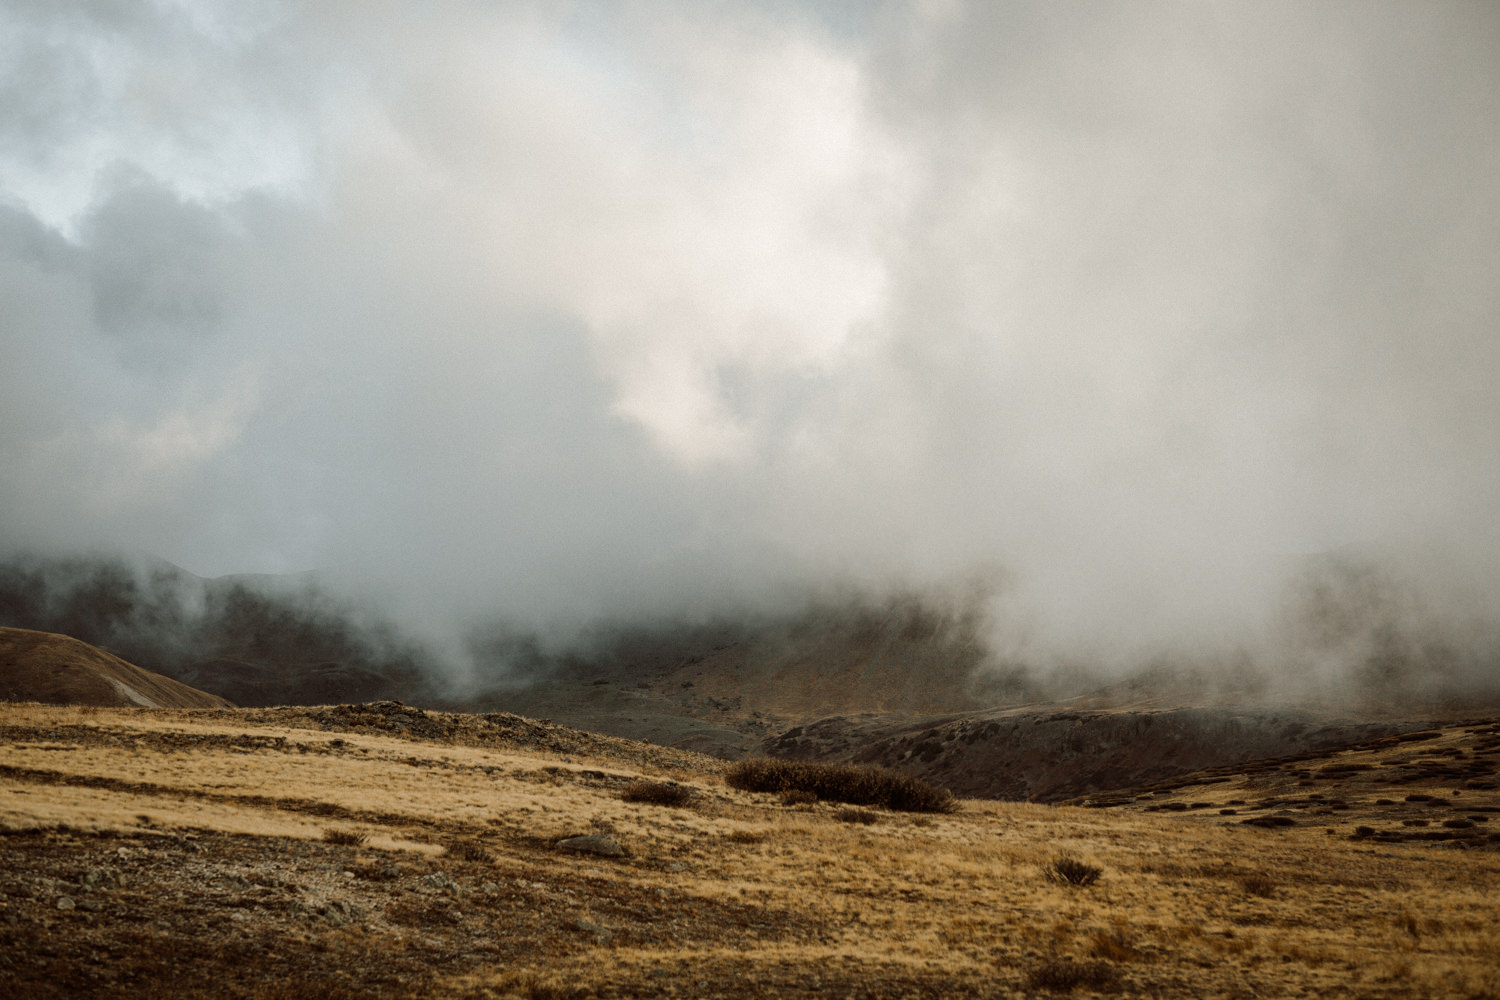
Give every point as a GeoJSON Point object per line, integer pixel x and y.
{"type": "Point", "coordinates": [43, 666]}
{"type": "Point", "coordinates": [191, 845]}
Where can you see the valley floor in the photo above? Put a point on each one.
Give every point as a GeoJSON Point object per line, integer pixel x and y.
{"type": "Point", "coordinates": [379, 851]}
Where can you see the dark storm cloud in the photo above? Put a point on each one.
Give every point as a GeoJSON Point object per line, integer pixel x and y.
{"type": "Point", "coordinates": [624, 310]}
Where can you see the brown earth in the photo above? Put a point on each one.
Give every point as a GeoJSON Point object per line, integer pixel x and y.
{"type": "Point", "coordinates": [58, 669]}
{"type": "Point", "coordinates": [382, 851]}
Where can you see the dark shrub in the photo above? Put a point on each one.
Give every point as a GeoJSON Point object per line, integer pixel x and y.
{"type": "Point", "coordinates": [467, 850]}
{"type": "Point", "coordinates": [1071, 871]}
{"type": "Point", "coordinates": [797, 797]}
{"type": "Point", "coordinates": [1064, 974]}
{"type": "Point", "coordinates": [850, 814]}
{"type": "Point", "coordinates": [855, 784]}
{"type": "Point", "coordinates": [1258, 885]}
{"type": "Point", "coordinates": [660, 793]}
{"type": "Point", "coordinates": [345, 838]}
{"type": "Point", "coordinates": [1115, 945]}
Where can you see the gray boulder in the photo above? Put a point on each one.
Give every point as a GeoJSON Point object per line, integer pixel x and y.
{"type": "Point", "coordinates": [594, 843]}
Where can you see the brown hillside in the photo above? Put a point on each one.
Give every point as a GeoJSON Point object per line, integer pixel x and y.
{"type": "Point", "coordinates": [382, 851]}
{"type": "Point", "coordinates": [61, 670]}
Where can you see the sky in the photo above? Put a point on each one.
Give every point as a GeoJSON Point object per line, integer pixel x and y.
{"type": "Point", "coordinates": [573, 311]}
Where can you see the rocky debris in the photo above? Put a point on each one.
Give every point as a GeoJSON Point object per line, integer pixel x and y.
{"type": "Point", "coordinates": [440, 881]}
{"type": "Point", "coordinates": [601, 934]}
{"type": "Point", "coordinates": [593, 843]}
{"type": "Point", "coordinates": [339, 912]}
{"type": "Point", "coordinates": [103, 879]}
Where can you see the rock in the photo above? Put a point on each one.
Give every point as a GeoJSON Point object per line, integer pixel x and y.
{"type": "Point", "coordinates": [65, 903]}
{"type": "Point", "coordinates": [600, 932]}
{"type": "Point", "coordinates": [594, 843]}
{"type": "Point", "coordinates": [340, 912]}
{"type": "Point", "coordinates": [102, 878]}
{"type": "Point", "coordinates": [438, 880]}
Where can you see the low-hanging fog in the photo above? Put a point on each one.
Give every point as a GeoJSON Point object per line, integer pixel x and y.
{"type": "Point", "coordinates": [1117, 316]}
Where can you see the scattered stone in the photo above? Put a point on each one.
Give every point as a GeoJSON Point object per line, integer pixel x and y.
{"type": "Point", "coordinates": [440, 881]}
{"type": "Point", "coordinates": [339, 913]}
{"type": "Point", "coordinates": [65, 903]}
{"type": "Point", "coordinates": [594, 843]}
{"type": "Point", "coordinates": [601, 933]}
{"type": "Point", "coordinates": [103, 878]}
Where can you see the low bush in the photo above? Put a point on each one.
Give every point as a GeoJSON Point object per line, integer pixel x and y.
{"type": "Point", "coordinates": [345, 838]}
{"type": "Point", "coordinates": [744, 837]}
{"type": "Point", "coordinates": [1065, 974]}
{"type": "Point", "coordinates": [659, 793]}
{"type": "Point", "coordinates": [797, 797]}
{"type": "Point", "coordinates": [1071, 871]}
{"type": "Point", "coordinates": [467, 850]}
{"type": "Point", "coordinates": [849, 783]}
{"type": "Point", "coordinates": [530, 986]}
{"type": "Point", "coordinates": [852, 814]}
{"type": "Point", "coordinates": [1115, 945]}
{"type": "Point", "coordinates": [1258, 885]}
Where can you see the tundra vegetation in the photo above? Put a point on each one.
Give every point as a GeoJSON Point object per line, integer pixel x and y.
{"type": "Point", "coordinates": [325, 852]}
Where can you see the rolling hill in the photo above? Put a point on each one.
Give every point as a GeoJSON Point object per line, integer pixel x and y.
{"type": "Point", "coordinates": [380, 850]}
{"type": "Point", "coordinates": [61, 670]}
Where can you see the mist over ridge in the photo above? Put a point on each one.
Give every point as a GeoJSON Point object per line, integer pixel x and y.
{"type": "Point", "coordinates": [1151, 335]}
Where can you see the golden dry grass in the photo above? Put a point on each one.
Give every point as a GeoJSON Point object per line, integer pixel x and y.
{"type": "Point", "coordinates": [736, 895]}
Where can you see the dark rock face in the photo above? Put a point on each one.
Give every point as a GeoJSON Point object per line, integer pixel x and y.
{"type": "Point", "coordinates": [1052, 756]}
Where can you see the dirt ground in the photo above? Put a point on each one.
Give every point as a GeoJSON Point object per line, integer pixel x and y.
{"type": "Point", "coordinates": [380, 851]}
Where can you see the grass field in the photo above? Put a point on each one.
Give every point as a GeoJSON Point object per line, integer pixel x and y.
{"type": "Point", "coordinates": [381, 851]}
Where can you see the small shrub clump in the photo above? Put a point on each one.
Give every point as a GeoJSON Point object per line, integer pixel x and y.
{"type": "Point", "coordinates": [1258, 885]}
{"type": "Point", "coordinates": [852, 814]}
{"type": "Point", "coordinates": [853, 784]}
{"type": "Point", "coordinates": [659, 793]}
{"type": "Point", "coordinates": [345, 838]}
{"type": "Point", "coordinates": [1115, 945]}
{"type": "Point", "coordinates": [1070, 871]}
{"type": "Point", "coordinates": [467, 850]}
{"type": "Point", "coordinates": [1065, 974]}
{"type": "Point", "coordinates": [798, 797]}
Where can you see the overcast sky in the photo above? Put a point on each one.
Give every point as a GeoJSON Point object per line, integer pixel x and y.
{"type": "Point", "coordinates": [602, 309]}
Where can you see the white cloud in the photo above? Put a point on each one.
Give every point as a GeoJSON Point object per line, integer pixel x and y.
{"type": "Point", "coordinates": [605, 309]}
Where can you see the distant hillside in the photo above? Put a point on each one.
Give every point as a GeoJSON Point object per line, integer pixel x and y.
{"type": "Point", "coordinates": [253, 640]}
{"type": "Point", "coordinates": [61, 670]}
{"type": "Point", "coordinates": [1049, 753]}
